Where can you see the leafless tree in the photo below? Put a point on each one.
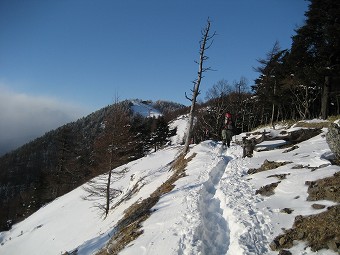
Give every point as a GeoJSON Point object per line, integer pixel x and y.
{"type": "Point", "coordinates": [218, 106]}
{"type": "Point", "coordinates": [205, 43]}
{"type": "Point", "coordinates": [302, 97]}
{"type": "Point", "coordinates": [109, 146]}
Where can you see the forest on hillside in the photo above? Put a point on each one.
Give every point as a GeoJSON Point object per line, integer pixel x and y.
{"type": "Point", "coordinates": [297, 83]}
{"type": "Point", "coordinates": [65, 158]}
{"type": "Point", "coordinates": [302, 82]}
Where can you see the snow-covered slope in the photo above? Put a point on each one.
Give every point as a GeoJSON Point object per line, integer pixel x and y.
{"type": "Point", "coordinates": [146, 110]}
{"type": "Point", "coordinates": [181, 124]}
{"type": "Point", "coordinates": [212, 210]}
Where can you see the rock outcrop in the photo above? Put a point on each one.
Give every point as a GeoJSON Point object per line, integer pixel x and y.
{"type": "Point", "coordinates": [333, 139]}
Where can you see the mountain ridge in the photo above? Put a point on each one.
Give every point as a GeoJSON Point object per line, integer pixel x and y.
{"type": "Point", "coordinates": [214, 208]}
{"type": "Point", "coordinates": [62, 159]}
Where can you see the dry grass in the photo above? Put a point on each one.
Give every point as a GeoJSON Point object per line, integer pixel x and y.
{"type": "Point", "coordinates": [324, 124]}
{"type": "Point", "coordinates": [129, 227]}
{"type": "Point", "coordinates": [317, 125]}
{"type": "Point", "coordinates": [325, 189]}
{"type": "Point", "coordinates": [319, 231]}
{"type": "Point", "coordinates": [267, 190]}
{"type": "Point", "coordinates": [333, 118]}
{"type": "Point", "coordinates": [129, 193]}
{"type": "Point", "coordinates": [267, 165]}
{"type": "Point", "coordinates": [289, 123]}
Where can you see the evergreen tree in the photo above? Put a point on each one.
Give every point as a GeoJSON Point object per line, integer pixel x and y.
{"type": "Point", "coordinates": [316, 52]}
{"type": "Point", "coordinates": [267, 87]}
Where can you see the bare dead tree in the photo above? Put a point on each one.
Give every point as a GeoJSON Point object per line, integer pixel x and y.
{"type": "Point", "coordinates": [205, 44]}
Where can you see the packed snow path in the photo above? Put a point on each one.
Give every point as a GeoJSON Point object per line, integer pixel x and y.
{"type": "Point", "coordinates": [249, 226]}
{"type": "Point", "coordinates": [213, 232]}
{"type": "Point", "coordinates": [228, 221]}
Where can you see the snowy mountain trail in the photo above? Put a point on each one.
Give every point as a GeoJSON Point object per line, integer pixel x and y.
{"type": "Point", "coordinates": [195, 221]}
{"type": "Point", "coordinates": [229, 221]}
{"type": "Point", "coordinates": [213, 232]}
{"type": "Point", "coordinates": [249, 226]}
{"type": "Point", "coordinates": [213, 209]}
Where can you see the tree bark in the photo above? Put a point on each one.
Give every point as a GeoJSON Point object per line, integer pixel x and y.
{"type": "Point", "coordinates": [324, 98]}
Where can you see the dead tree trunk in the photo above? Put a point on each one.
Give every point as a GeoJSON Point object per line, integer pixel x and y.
{"type": "Point", "coordinates": [195, 91]}
{"type": "Point", "coordinates": [324, 98]}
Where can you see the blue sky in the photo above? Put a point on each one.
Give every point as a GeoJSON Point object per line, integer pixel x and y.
{"type": "Point", "coordinates": [80, 54]}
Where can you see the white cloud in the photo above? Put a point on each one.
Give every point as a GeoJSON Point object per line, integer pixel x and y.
{"type": "Point", "coordinates": [24, 117]}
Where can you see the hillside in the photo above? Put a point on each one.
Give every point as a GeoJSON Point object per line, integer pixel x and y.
{"type": "Point", "coordinates": [214, 202]}
{"type": "Point", "coordinates": [63, 159]}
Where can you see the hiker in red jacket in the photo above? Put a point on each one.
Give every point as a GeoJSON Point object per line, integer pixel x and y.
{"type": "Point", "coordinates": [227, 131]}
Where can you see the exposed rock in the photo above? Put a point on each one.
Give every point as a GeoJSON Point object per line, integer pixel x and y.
{"type": "Point", "coordinates": [327, 188]}
{"type": "Point", "coordinates": [294, 147]}
{"type": "Point", "coordinates": [248, 147]}
{"type": "Point", "coordinates": [287, 210]}
{"type": "Point", "coordinates": [312, 168]}
{"type": "Point", "coordinates": [279, 176]}
{"type": "Point", "coordinates": [301, 135]}
{"type": "Point", "coordinates": [267, 165]}
{"type": "Point", "coordinates": [320, 231]}
{"type": "Point", "coordinates": [298, 166]}
{"type": "Point", "coordinates": [333, 139]}
{"type": "Point", "coordinates": [292, 137]}
{"type": "Point", "coordinates": [318, 206]}
{"type": "Point", "coordinates": [267, 190]}
{"type": "Point", "coordinates": [285, 252]}
{"type": "Point", "coordinates": [274, 245]}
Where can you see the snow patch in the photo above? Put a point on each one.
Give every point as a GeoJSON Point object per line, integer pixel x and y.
{"type": "Point", "coordinates": [145, 110]}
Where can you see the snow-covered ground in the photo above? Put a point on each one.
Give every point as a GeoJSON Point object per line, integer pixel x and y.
{"type": "Point", "coordinates": [144, 109]}
{"type": "Point", "coordinates": [212, 210]}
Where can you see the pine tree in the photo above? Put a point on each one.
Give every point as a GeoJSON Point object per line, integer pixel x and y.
{"type": "Point", "coordinates": [267, 87]}
{"type": "Point", "coordinates": [316, 51]}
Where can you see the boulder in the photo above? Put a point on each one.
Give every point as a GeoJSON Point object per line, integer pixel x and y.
{"type": "Point", "coordinates": [333, 139]}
